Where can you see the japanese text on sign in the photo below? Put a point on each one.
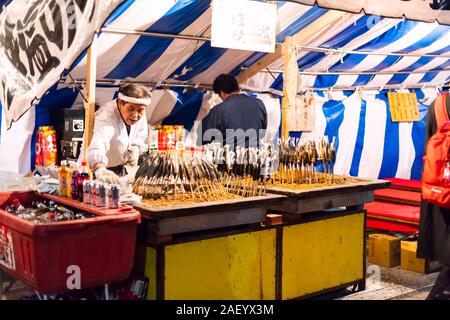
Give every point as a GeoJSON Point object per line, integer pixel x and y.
{"type": "Point", "coordinates": [244, 25]}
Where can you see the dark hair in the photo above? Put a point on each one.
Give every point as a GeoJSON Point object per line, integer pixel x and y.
{"type": "Point", "coordinates": [226, 83]}
{"type": "Point", "coordinates": [135, 91]}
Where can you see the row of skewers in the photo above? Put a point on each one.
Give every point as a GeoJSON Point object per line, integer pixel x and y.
{"type": "Point", "coordinates": [216, 173]}
{"type": "Point", "coordinates": [178, 175]}
{"type": "Point", "coordinates": [299, 162]}
{"type": "Point", "coordinates": [219, 171]}
{"type": "Point", "coordinates": [245, 171]}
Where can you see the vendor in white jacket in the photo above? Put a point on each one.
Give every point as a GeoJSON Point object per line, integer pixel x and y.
{"type": "Point", "coordinates": [120, 133]}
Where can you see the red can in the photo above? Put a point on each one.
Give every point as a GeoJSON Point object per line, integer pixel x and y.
{"type": "Point", "coordinates": [47, 145]}
{"type": "Point", "coordinates": [162, 139]}
{"type": "Point", "coordinates": [38, 148]}
{"type": "Point", "coordinates": [166, 138]}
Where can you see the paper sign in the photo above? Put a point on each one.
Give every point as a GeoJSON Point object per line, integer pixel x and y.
{"type": "Point", "coordinates": [302, 116]}
{"type": "Point", "coordinates": [404, 107]}
{"type": "Point", "coordinates": [244, 24]}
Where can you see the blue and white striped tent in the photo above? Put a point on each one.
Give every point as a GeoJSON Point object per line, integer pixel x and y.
{"type": "Point", "coordinates": [370, 145]}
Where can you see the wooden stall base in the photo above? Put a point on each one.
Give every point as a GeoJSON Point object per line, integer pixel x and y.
{"type": "Point", "coordinates": [211, 221]}
{"type": "Point", "coordinates": [174, 266]}
{"type": "Point", "coordinates": [324, 198]}
{"type": "Point", "coordinates": [163, 221]}
{"type": "Point", "coordinates": [159, 239]}
{"type": "Point", "coordinates": [350, 288]}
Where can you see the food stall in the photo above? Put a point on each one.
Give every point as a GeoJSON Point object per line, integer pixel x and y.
{"type": "Point", "coordinates": [298, 233]}
{"type": "Point", "coordinates": [231, 249]}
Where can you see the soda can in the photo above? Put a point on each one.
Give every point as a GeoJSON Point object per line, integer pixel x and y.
{"type": "Point", "coordinates": [101, 195]}
{"type": "Point", "coordinates": [94, 191]}
{"type": "Point", "coordinates": [114, 196]}
{"type": "Point", "coordinates": [87, 192]}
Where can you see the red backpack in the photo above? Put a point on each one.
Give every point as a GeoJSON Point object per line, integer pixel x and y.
{"type": "Point", "coordinates": [436, 170]}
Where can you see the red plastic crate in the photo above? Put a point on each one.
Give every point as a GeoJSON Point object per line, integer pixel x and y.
{"type": "Point", "coordinates": [102, 247]}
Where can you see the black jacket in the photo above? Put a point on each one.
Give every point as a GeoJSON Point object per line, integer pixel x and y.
{"type": "Point", "coordinates": [234, 119]}
{"type": "Point", "coordinates": [434, 229]}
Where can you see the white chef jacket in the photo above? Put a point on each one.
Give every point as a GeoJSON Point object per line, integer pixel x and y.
{"type": "Point", "coordinates": [111, 141]}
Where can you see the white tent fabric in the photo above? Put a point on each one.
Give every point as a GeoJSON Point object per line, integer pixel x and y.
{"type": "Point", "coordinates": [15, 144]}
{"type": "Point", "coordinates": [369, 144]}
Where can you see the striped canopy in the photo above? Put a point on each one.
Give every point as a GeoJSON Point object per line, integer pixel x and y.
{"type": "Point", "coordinates": [383, 51]}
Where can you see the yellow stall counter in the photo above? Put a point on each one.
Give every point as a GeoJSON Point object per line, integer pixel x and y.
{"type": "Point", "coordinates": [235, 267]}
{"type": "Point", "coordinates": [321, 255]}
{"type": "Point", "coordinates": [289, 261]}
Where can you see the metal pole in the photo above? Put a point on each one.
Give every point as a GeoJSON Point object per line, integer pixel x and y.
{"type": "Point", "coordinates": [371, 53]}
{"type": "Point", "coordinates": [352, 88]}
{"type": "Point", "coordinates": [152, 84]}
{"type": "Point", "coordinates": [154, 34]}
{"type": "Point", "coordinates": [306, 48]}
{"type": "Point", "coordinates": [387, 87]}
{"type": "Point", "coordinates": [158, 34]}
{"type": "Point", "coordinates": [353, 73]}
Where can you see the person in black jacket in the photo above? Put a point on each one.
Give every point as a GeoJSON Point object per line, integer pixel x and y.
{"type": "Point", "coordinates": [239, 120]}
{"type": "Point", "coordinates": [434, 229]}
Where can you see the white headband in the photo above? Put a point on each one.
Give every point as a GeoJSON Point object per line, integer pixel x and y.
{"type": "Point", "coordinates": [145, 102]}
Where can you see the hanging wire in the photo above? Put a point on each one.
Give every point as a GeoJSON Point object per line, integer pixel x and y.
{"type": "Point", "coordinates": [73, 84]}
{"type": "Point", "coordinates": [268, 70]}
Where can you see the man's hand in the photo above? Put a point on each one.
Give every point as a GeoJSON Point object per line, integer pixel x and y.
{"type": "Point", "coordinates": [106, 176]}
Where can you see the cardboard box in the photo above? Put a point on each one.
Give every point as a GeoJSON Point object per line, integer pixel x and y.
{"type": "Point", "coordinates": [409, 260]}
{"type": "Point", "coordinates": [384, 250]}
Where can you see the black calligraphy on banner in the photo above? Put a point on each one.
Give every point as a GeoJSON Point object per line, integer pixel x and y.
{"type": "Point", "coordinates": [38, 40]}
{"type": "Point", "coordinates": [440, 5]}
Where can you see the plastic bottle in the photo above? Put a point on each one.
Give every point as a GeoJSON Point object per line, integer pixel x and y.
{"type": "Point", "coordinates": [74, 182]}
{"type": "Point", "coordinates": [62, 177]}
{"type": "Point", "coordinates": [82, 177]}
{"type": "Point", "coordinates": [69, 179]}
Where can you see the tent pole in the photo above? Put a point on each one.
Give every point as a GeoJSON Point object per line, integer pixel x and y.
{"type": "Point", "coordinates": [353, 73]}
{"type": "Point", "coordinates": [387, 87]}
{"type": "Point", "coordinates": [343, 51]}
{"type": "Point", "coordinates": [289, 84]}
{"type": "Point", "coordinates": [208, 87]}
{"type": "Point", "coordinates": [154, 34]}
{"type": "Point", "coordinates": [89, 105]}
{"type": "Point", "coordinates": [163, 84]}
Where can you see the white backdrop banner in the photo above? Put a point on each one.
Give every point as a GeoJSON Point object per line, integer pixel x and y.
{"type": "Point", "coordinates": [38, 40]}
